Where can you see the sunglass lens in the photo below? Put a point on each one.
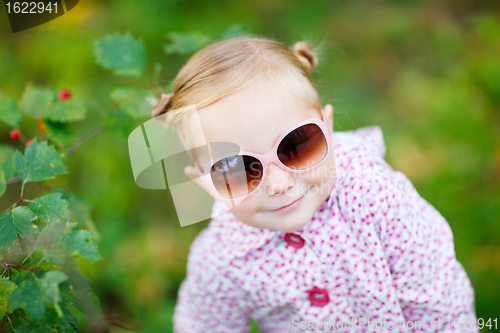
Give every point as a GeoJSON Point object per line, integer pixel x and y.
{"type": "Point", "coordinates": [303, 148]}
{"type": "Point", "coordinates": [236, 176]}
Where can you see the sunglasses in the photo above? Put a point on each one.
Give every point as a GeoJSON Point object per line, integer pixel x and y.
{"type": "Point", "coordinates": [300, 149]}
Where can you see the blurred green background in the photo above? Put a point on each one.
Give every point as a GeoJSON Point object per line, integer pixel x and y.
{"type": "Point", "coordinates": [426, 72]}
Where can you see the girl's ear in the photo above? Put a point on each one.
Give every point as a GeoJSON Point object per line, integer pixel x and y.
{"type": "Point", "coordinates": [191, 172]}
{"type": "Point", "coordinates": [328, 110]}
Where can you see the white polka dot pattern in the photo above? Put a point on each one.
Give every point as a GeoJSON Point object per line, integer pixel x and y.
{"type": "Point", "coordinates": [374, 250]}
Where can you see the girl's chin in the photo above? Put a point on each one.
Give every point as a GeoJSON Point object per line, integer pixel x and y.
{"type": "Point", "coordinates": [282, 222]}
{"type": "Point", "coordinates": [291, 224]}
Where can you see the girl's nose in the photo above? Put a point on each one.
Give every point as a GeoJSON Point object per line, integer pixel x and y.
{"type": "Point", "coordinates": [278, 180]}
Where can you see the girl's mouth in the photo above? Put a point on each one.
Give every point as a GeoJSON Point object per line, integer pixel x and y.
{"type": "Point", "coordinates": [292, 206]}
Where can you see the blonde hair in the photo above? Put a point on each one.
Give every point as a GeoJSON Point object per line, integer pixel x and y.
{"type": "Point", "coordinates": [230, 65]}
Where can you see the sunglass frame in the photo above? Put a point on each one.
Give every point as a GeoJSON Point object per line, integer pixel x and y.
{"type": "Point", "coordinates": [266, 159]}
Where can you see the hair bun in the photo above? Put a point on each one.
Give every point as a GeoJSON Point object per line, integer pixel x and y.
{"type": "Point", "coordinates": [162, 105]}
{"type": "Point", "coordinates": [306, 56]}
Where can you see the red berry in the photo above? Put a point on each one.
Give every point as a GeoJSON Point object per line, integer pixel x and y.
{"type": "Point", "coordinates": [14, 134]}
{"type": "Point", "coordinates": [28, 141]}
{"type": "Point", "coordinates": [64, 94]}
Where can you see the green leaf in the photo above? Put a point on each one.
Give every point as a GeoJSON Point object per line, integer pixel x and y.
{"type": "Point", "coordinates": [65, 111]}
{"type": "Point", "coordinates": [50, 284]}
{"type": "Point", "coordinates": [66, 294]}
{"type": "Point", "coordinates": [50, 242]}
{"type": "Point", "coordinates": [235, 31]}
{"type": "Point", "coordinates": [39, 162]}
{"type": "Point", "coordinates": [17, 220]}
{"type": "Point", "coordinates": [79, 244]}
{"type": "Point", "coordinates": [3, 183]}
{"type": "Point", "coordinates": [35, 328]}
{"type": "Point", "coordinates": [20, 275]}
{"type": "Point", "coordinates": [60, 239]}
{"type": "Point", "coordinates": [9, 113]}
{"type": "Point", "coordinates": [37, 102]}
{"type": "Point", "coordinates": [122, 54]}
{"type": "Point", "coordinates": [186, 42]}
{"type": "Point", "coordinates": [6, 289]}
{"type": "Point", "coordinates": [22, 324]}
{"type": "Point", "coordinates": [59, 325]}
{"type": "Point", "coordinates": [34, 294]}
{"type": "Point", "coordinates": [38, 260]}
{"type": "Point", "coordinates": [29, 297]}
{"type": "Point", "coordinates": [81, 210]}
{"type": "Point", "coordinates": [51, 207]}
{"type": "Point", "coordinates": [138, 103]}
{"type": "Point", "coordinates": [65, 323]}
{"type": "Point", "coordinates": [119, 122]}
{"type": "Point", "coordinates": [60, 133]}
{"type": "Point", "coordinates": [7, 155]}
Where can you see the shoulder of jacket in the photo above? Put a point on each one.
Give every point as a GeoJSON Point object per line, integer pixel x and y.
{"type": "Point", "coordinates": [368, 139]}
{"type": "Point", "coordinates": [358, 150]}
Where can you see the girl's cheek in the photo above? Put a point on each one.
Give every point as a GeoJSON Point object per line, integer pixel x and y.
{"type": "Point", "coordinates": [245, 208]}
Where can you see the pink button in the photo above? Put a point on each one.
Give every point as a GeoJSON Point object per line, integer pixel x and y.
{"type": "Point", "coordinates": [294, 240]}
{"type": "Point", "coordinates": [318, 297]}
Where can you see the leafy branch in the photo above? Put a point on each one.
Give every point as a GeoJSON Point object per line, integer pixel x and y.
{"type": "Point", "coordinates": [36, 293]}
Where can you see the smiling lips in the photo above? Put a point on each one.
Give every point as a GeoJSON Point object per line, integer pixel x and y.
{"type": "Point", "coordinates": [290, 207]}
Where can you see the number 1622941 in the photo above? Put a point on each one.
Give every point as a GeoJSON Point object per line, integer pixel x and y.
{"type": "Point", "coordinates": [31, 7]}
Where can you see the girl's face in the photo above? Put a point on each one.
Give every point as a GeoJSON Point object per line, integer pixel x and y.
{"type": "Point", "coordinates": [254, 119]}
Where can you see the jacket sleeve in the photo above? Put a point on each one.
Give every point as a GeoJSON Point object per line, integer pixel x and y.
{"type": "Point", "coordinates": [432, 286]}
{"type": "Point", "coordinates": [208, 299]}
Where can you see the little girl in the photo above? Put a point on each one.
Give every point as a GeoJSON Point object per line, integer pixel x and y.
{"type": "Point", "coordinates": [328, 237]}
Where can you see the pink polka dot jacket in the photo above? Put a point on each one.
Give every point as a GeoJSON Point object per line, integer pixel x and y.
{"type": "Point", "coordinates": [375, 257]}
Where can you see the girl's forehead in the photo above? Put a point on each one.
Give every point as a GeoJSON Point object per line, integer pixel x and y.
{"type": "Point", "coordinates": [253, 118]}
